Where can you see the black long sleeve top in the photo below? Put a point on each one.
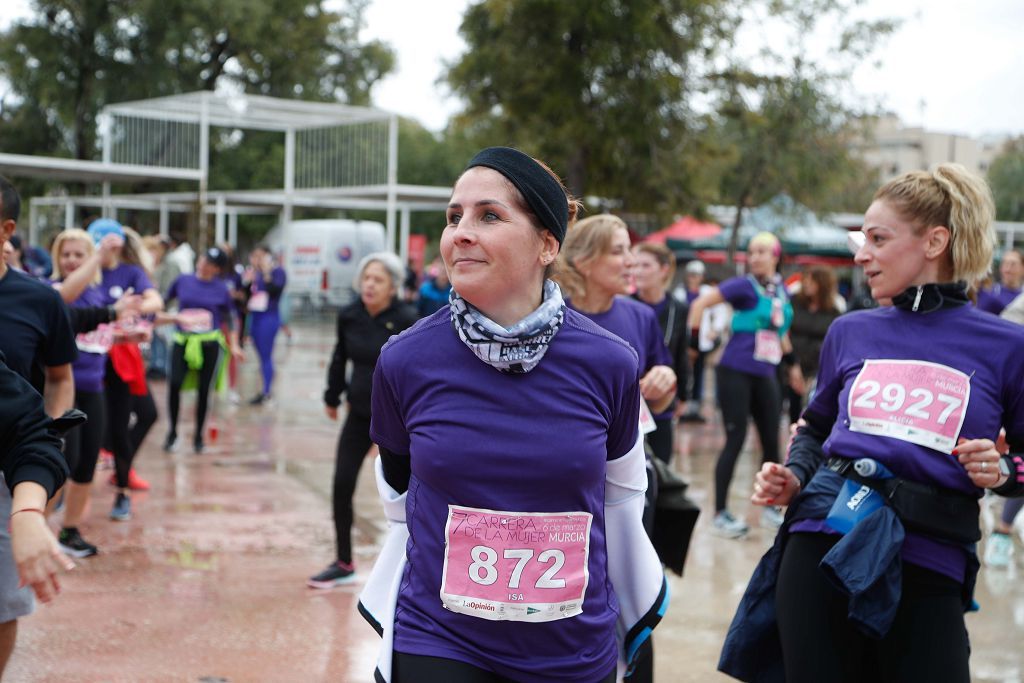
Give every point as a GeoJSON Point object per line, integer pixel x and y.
{"type": "Point", "coordinates": [360, 339]}
{"type": "Point", "coordinates": [29, 443]}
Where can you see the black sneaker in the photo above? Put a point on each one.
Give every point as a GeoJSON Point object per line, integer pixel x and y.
{"type": "Point", "coordinates": [336, 574]}
{"type": "Point", "coordinates": [693, 417]}
{"type": "Point", "coordinates": [72, 543]}
{"type": "Point", "coordinates": [122, 510]}
{"type": "Point", "coordinates": [171, 442]}
{"type": "Point", "coordinates": [198, 446]}
{"type": "Point", "coordinates": [258, 399]}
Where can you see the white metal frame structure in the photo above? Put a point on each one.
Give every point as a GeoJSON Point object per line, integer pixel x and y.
{"type": "Point", "coordinates": [336, 156]}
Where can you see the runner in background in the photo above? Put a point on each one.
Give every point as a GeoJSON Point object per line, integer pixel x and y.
{"type": "Point", "coordinates": [814, 309]}
{"type": "Point", "coordinates": [712, 324]}
{"type": "Point", "coordinates": [363, 328]}
{"type": "Point", "coordinates": [204, 301]}
{"type": "Point", "coordinates": [124, 272]}
{"type": "Point", "coordinates": [165, 271]}
{"type": "Point", "coordinates": [746, 382]}
{"type": "Point", "coordinates": [872, 573]}
{"type": "Point", "coordinates": [1011, 275]}
{"type": "Point", "coordinates": [264, 283]}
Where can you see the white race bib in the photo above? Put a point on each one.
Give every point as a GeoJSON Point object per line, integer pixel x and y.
{"type": "Point", "coordinates": [916, 401]}
{"type": "Point", "coordinates": [768, 346]}
{"type": "Point", "coordinates": [515, 566]}
{"type": "Point", "coordinates": [259, 302]}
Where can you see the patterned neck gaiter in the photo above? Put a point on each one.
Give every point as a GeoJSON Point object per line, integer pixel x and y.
{"type": "Point", "coordinates": [519, 348]}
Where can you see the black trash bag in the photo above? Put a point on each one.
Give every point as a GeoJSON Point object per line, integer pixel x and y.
{"type": "Point", "coordinates": [675, 516]}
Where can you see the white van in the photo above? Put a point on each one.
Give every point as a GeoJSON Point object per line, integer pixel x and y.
{"type": "Point", "coordinates": [320, 256]}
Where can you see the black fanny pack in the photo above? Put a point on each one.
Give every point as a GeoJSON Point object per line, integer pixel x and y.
{"type": "Point", "coordinates": [944, 514]}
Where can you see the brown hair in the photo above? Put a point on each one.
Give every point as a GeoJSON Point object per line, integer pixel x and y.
{"type": "Point", "coordinates": [825, 298]}
{"type": "Point", "coordinates": [663, 255]}
{"type": "Point", "coordinates": [949, 195]}
{"type": "Point", "coordinates": [586, 240]}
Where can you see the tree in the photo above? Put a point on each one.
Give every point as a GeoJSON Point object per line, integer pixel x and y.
{"type": "Point", "coordinates": [599, 90]}
{"type": "Point", "coordinates": [72, 57]}
{"type": "Point", "coordinates": [1006, 177]}
{"type": "Point", "coordinates": [783, 126]}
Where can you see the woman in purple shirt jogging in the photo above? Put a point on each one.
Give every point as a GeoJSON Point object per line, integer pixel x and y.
{"type": "Point", "coordinates": [875, 565]}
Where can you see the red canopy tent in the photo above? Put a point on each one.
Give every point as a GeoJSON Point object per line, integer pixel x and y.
{"type": "Point", "coordinates": [686, 228]}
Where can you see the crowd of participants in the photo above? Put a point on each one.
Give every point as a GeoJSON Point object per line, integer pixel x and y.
{"type": "Point", "coordinates": [530, 317]}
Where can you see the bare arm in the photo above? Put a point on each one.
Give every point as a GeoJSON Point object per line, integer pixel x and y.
{"type": "Point", "coordinates": [152, 302]}
{"type": "Point", "coordinates": [59, 390]}
{"type": "Point", "coordinates": [701, 303]}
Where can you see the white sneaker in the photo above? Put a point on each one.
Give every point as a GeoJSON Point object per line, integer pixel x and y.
{"type": "Point", "coordinates": [999, 550]}
{"type": "Point", "coordinates": [771, 518]}
{"type": "Point", "coordinates": [727, 526]}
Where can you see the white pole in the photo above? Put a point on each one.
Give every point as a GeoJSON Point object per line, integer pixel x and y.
{"type": "Point", "coordinates": [392, 179]}
{"type": "Point", "coordinates": [220, 236]}
{"type": "Point", "coordinates": [204, 167]}
{"type": "Point", "coordinates": [69, 215]}
{"type": "Point", "coordinates": [165, 223]}
{"type": "Point", "coordinates": [108, 210]}
{"type": "Point", "coordinates": [289, 175]}
{"type": "Point", "coordinates": [403, 240]}
{"type": "Point", "coordinates": [233, 230]}
{"type": "Point", "coordinates": [33, 224]}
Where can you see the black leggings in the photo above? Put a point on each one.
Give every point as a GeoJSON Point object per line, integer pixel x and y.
{"type": "Point", "coordinates": [124, 442]}
{"type": "Point", "coordinates": [353, 444]}
{"type": "Point", "coordinates": [406, 668]}
{"type": "Point", "coordinates": [82, 444]}
{"type": "Point", "coordinates": [927, 641]}
{"type": "Point", "coordinates": [660, 440]}
{"type": "Point", "coordinates": [179, 368]}
{"type": "Point", "coordinates": [740, 396]}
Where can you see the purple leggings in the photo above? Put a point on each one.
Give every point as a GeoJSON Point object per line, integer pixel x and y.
{"type": "Point", "coordinates": [263, 331]}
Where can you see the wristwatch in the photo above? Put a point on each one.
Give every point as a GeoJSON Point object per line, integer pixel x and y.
{"type": "Point", "coordinates": [1004, 466]}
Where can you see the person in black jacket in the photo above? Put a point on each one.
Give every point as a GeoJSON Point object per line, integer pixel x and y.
{"type": "Point", "coordinates": [653, 271]}
{"type": "Point", "coordinates": [363, 328]}
{"type": "Point", "coordinates": [814, 309]}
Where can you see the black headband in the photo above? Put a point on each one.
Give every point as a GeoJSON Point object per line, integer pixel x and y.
{"type": "Point", "coordinates": [540, 190]}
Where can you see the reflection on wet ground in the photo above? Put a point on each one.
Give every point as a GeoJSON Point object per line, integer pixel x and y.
{"type": "Point", "coordinates": [206, 583]}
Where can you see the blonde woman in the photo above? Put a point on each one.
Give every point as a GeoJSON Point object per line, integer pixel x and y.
{"type": "Point", "coordinates": [875, 566]}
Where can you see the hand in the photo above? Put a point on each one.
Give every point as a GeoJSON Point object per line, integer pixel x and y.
{"type": "Point", "coordinates": [659, 381]}
{"type": "Point", "coordinates": [238, 354]}
{"type": "Point", "coordinates": [128, 306]}
{"type": "Point", "coordinates": [796, 380]}
{"type": "Point", "coordinates": [110, 244]}
{"type": "Point", "coordinates": [981, 460]}
{"type": "Point", "coordinates": [332, 412]}
{"type": "Point", "coordinates": [37, 555]}
{"type": "Point", "coordinates": [775, 484]}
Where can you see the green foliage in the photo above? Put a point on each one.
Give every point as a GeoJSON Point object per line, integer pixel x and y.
{"type": "Point", "coordinates": [1006, 177]}
{"type": "Point", "coordinates": [599, 90]}
{"type": "Point", "coordinates": [72, 57]}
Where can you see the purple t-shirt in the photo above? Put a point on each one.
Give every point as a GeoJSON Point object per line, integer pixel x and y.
{"type": "Point", "coordinates": [517, 443]}
{"type": "Point", "coordinates": [997, 297]}
{"type": "Point", "coordinates": [278, 280]}
{"type": "Point", "coordinates": [211, 295]}
{"type": "Point", "coordinates": [637, 324]}
{"type": "Point", "coordinates": [89, 368]}
{"type": "Point", "coordinates": [118, 280]}
{"type": "Point", "coordinates": [741, 294]}
{"type": "Point", "coordinates": [927, 372]}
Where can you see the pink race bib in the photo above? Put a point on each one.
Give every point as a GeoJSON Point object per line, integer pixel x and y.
{"type": "Point", "coordinates": [768, 346]}
{"type": "Point", "coordinates": [916, 401]}
{"type": "Point", "coordinates": [98, 341]}
{"type": "Point", "coordinates": [515, 566]}
{"type": "Point", "coordinates": [195, 320]}
{"type": "Point", "coordinates": [259, 302]}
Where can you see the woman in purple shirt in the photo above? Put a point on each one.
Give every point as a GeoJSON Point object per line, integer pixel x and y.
{"type": "Point", "coordinates": [746, 378]}
{"type": "Point", "coordinates": [265, 283]}
{"type": "Point", "coordinates": [875, 565]}
{"type": "Point", "coordinates": [514, 554]}
{"type": "Point", "coordinates": [204, 300]}
{"type": "Point", "coordinates": [1011, 275]}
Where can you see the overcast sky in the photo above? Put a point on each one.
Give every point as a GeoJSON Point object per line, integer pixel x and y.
{"type": "Point", "coordinates": [953, 66]}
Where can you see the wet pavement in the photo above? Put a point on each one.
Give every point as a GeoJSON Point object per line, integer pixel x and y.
{"type": "Point", "coordinates": [206, 582]}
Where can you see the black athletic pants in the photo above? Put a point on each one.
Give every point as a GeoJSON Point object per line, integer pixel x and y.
{"type": "Point", "coordinates": [82, 444]}
{"type": "Point", "coordinates": [927, 642]}
{"type": "Point", "coordinates": [124, 441]}
{"type": "Point", "coordinates": [741, 396]}
{"type": "Point", "coordinates": [416, 668]}
{"type": "Point", "coordinates": [661, 439]}
{"type": "Point", "coordinates": [353, 444]}
{"type": "Point", "coordinates": [179, 368]}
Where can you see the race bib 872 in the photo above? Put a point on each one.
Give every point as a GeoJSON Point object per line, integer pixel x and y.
{"type": "Point", "coordinates": [515, 566]}
{"type": "Point", "coordinates": [916, 401]}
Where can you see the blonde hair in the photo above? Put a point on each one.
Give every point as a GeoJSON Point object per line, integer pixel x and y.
{"type": "Point", "coordinates": [949, 195]}
{"type": "Point", "coordinates": [135, 252]}
{"type": "Point", "coordinates": [585, 240]}
{"type": "Point", "coordinates": [70, 235]}
{"type": "Point", "coordinates": [663, 255]}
